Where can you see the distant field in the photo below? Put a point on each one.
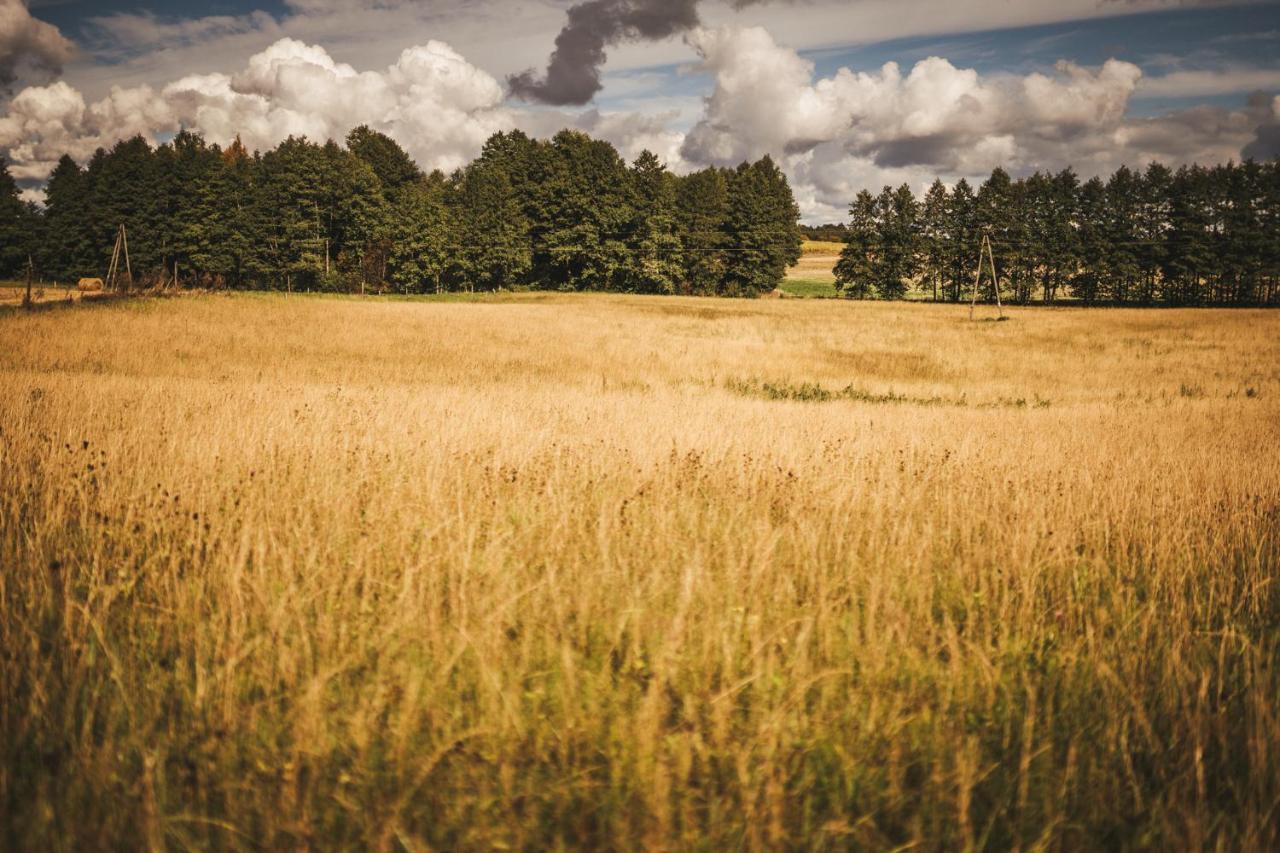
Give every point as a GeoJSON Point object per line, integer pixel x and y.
{"type": "Point", "coordinates": [600, 572]}
{"type": "Point", "coordinates": [810, 288]}
{"type": "Point", "coordinates": [12, 292]}
{"type": "Point", "coordinates": [821, 247]}
{"type": "Point", "coordinates": [815, 268]}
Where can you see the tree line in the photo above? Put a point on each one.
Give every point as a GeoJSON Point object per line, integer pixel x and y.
{"type": "Point", "coordinates": [566, 213]}
{"type": "Point", "coordinates": [1194, 236]}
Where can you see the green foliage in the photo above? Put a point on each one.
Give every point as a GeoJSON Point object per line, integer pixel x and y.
{"type": "Point", "coordinates": [809, 288]}
{"type": "Point", "coordinates": [1197, 236]}
{"type": "Point", "coordinates": [420, 234]}
{"type": "Point", "coordinates": [761, 227]}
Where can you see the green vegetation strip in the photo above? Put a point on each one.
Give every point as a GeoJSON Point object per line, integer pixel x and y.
{"type": "Point", "coordinates": [812, 392]}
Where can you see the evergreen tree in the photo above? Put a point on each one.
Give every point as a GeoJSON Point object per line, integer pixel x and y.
{"type": "Point", "coordinates": [965, 239]}
{"type": "Point", "coordinates": [492, 229]}
{"type": "Point", "coordinates": [1120, 265]}
{"type": "Point", "coordinates": [394, 168]}
{"type": "Point", "coordinates": [855, 269]}
{"type": "Point", "coordinates": [16, 227]}
{"type": "Point", "coordinates": [586, 212]}
{"type": "Point", "coordinates": [421, 237]}
{"type": "Point", "coordinates": [702, 204]}
{"type": "Point", "coordinates": [656, 263]}
{"type": "Point", "coordinates": [763, 235]}
{"type": "Point", "coordinates": [933, 235]}
{"type": "Point", "coordinates": [1188, 251]}
{"type": "Point", "coordinates": [897, 258]}
{"type": "Point", "coordinates": [288, 217]}
{"type": "Point", "coordinates": [1087, 280]}
{"type": "Point", "coordinates": [1152, 229]}
{"type": "Point", "coordinates": [66, 248]}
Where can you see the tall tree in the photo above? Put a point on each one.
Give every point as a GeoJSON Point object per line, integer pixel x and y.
{"type": "Point", "coordinates": [763, 234]}
{"type": "Point", "coordinates": [702, 204]}
{"type": "Point", "coordinates": [656, 262]}
{"type": "Point", "coordinates": [855, 271]}
{"type": "Point", "coordinates": [393, 166]}
{"type": "Point", "coordinates": [421, 237]}
{"type": "Point", "coordinates": [16, 226]}
{"type": "Point", "coordinates": [493, 233]}
{"type": "Point", "coordinates": [934, 236]}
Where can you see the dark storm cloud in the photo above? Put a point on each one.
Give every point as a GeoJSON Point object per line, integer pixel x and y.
{"type": "Point", "coordinates": [573, 72]}
{"type": "Point", "coordinates": [1266, 141]}
{"type": "Point", "coordinates": [28, 43]}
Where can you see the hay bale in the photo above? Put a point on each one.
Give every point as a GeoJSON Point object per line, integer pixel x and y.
{"type": "Point", "coordinates": [90, 285]}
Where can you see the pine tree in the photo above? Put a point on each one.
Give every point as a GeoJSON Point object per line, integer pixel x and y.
{"type": "Point", "coordinates": [421, 237]}
{"type": "Point", "coordinates": [16, 227]}
{"type": "Point", "coordinates": [393, 166]}
{"type": "Point", "coordinates": [493, 233]}
{"type": "Point", "coordinates": [1152, 229]}
{"type": "Point", "coordinates": [762, 231]}
{"type": "Point", "coordinates": [1120, 266]}
{"type": "Point", "coordinates": [702, 202]}
{"type": "Point", "coordinates": [963, 249]}
{"type": "Point", "coordinates": [1087, 280]}
{"type": "Point", "coordinates": [855, 269]}
{"type": "Point", "coordinates": [586, 210]}
{"type": "Point", "coordinates": [934, 236]}
{"type": "Point", "coordinates": [66, 253]}
{"type": "Point", "coordinates": [897, 258]}
{"type": "Point", "coordinates": [287, 216]}
{"type": "Point", "coordinates": [656, 263]}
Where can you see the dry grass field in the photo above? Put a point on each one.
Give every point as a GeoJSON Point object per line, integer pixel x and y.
{"type": "Point", "coordinates": [593, 571]}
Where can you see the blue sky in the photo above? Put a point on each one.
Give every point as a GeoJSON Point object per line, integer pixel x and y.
{"type": "Point", "coordinates": [1034, 84]}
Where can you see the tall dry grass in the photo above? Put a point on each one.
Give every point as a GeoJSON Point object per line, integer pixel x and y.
{"type": "Point", "coordinates": [612, 572]}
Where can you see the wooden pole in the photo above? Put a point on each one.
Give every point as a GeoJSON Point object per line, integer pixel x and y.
{"type": "Point", "coordinates": [31, 270]}
{"type": "Point", "coordinates": [995, 280]}
{"type": "Point", "coordinates": [985, 253]}
{"type": "Point", "coordinates": [124, 235]}
{"type": "Point", "coordinates": [115, 262]}
{"type": "Point", "coordinates": [977, 279]}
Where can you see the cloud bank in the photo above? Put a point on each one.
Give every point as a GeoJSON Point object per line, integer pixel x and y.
{"type": "Point", "coordinates": [833, 135]}
{"type": "Point", "coordinates": [26, 43]}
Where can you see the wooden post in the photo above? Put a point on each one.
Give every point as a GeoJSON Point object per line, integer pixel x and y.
{"type": "Point", "coordinates": [986, 253]}
{"type": "Point", "coordinates": [115, 262]}
{"type": "Point", "coordinates": [31, 270]}
{"type": "Point", "coordinates": [124, 236]}
{"type": "Point", "coordinates": [977, 280]}
{"type": "Point", "coordinates": [995, 279]}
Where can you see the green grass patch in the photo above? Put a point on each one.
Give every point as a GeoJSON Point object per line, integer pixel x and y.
{"type": "Point", "coordinates": [809, 288]}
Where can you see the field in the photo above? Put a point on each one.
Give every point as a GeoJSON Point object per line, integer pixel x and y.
{"type": "Point", "coordinates": [13, 292]}
{"type": "Point", "coordinates": [814, 274]}
{"type": "Point", "coordinates": [593, 571]}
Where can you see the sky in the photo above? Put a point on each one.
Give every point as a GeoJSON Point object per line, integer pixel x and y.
{"type": "Point", "coordinates": [844, 94]}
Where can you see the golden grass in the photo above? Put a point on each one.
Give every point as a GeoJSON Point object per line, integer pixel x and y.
{"type": "Point", "coordinates": [815, 266]}
{"type": "Point", "coordinates": [595, 571]}
{"type": "Point", "coordinates": [821, 247]}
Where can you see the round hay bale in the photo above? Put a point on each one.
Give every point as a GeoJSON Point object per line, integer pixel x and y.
{"type": "Point", "coordinates": [90, 285]}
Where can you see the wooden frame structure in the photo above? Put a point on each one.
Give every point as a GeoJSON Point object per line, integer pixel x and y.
{"type": "Point", "coordinates": [113, 272]}
{"type": "Point", "coordinates": [985, 251]}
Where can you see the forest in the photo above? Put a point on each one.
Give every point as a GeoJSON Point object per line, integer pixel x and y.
{"type": "Point", "coordinates": [1194, 236]}
{"type": "Point", "coordinates": [561, 214]}
{"type": "Point", "coordinates": [570, 214]}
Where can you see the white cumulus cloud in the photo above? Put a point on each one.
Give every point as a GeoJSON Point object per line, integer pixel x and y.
{"type": "Point", "coordinates": [435, 103]}
{"type": "Point", "coordinates": [853, 130]}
